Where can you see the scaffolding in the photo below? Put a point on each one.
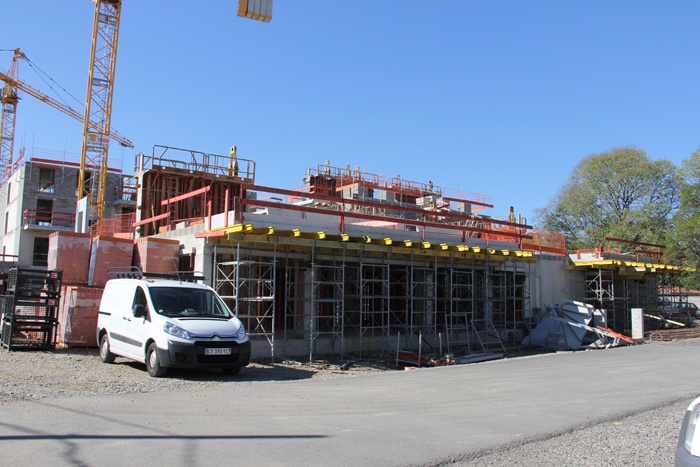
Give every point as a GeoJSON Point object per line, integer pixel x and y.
{"type": "Point", "coordinates": [341, 297]}
{"type": "Point", "coordinates": [327, 318]}
{"type": "Point", "coordinates": [605, 291]}
{"type": "Point", "coordinates": [423, 303]}
{"type": "Point", "coordinates": [374, 303]}
{"type": "Point", "coordinates": [462, 308]}
{"type": "Point", "coordinates": [248, 287]}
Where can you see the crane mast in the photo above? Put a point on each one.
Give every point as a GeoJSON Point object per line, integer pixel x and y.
{"type": "Point", "coordinates": [9, 101]}
{"type": "Point", "coordinates": [98, 105]}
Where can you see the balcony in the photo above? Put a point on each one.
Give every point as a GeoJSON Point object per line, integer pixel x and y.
{"type": "Point", "coordinates": [35, 219]}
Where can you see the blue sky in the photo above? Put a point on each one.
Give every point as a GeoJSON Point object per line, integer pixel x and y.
{"type": "Point", "coordinates": [498, 97]}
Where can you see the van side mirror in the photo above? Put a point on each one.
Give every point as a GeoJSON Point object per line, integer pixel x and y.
{"type": "Point", "coordinates": [139, 310]}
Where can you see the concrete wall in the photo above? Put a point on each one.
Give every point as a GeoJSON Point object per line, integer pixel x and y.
{"type": "Point", "coordinates": [11, 213]}
{"type": "Point", "coordinates": [552, 282]}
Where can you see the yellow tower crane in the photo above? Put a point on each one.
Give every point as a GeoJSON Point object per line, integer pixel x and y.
{"type": "Point", "coordinates": [98, 105]}
{"type": "Point", "coordinates": [9, 101]}
{"type": "Point", "coordinates": [10, 98]}
{"type": "Point", "coordinates": [100, 88]}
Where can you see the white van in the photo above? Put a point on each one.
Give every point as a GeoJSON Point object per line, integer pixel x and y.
{"type": "Point", "coordinates": [168, 323]}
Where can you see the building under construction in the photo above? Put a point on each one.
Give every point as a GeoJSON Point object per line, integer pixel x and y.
{"type": "Point", "coordinates": [351, 263]}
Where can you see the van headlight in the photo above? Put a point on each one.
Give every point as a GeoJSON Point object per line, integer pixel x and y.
{"type": "Point", "coordinates": [241, 332]}
{"type": "Point", "coordinates": [176, 331]}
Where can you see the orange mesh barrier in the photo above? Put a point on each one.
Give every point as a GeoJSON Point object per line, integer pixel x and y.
{"type": "Point", "coordinates": [546, 241]}
{"type": "Point", "coordinates": [118, 226]}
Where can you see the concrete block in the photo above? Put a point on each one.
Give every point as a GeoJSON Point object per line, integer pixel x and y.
{"type": "Point", "coordinates": [157, 255]}
{"type": "Point", "coordinates": [77, 316]}
{"type": "Point", "coordinates": [106, 253]}
{"type": "Point", "coordinates": [70, 252]}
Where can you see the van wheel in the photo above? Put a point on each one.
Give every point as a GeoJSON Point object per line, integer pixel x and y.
{"type": "Point", "coordinates": [105, 354]}
{"type": "Point", "coordinates": [231, 370]}
{"type": "Point", "coordinates": [153, 363]}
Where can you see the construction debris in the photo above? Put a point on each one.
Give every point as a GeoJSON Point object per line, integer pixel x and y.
{"type": "Point", "coordinates": [572, 325]}
{"type": "Point", "coordinates": [419, 360]}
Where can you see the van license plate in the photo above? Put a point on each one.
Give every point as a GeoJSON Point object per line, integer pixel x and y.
{"type": "Point", "coordinates": [217, 351]}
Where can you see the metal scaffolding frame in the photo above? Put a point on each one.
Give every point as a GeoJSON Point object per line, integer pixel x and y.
{"type": "Point", "coordinates": [423, 303]}
{"type": "Point", "coordinates": [327, 305]}
{"type": "Point", "coordinates": [642, 292]}
{"type": "Point", "coordinates": [487, 305]}
{"type": "Point", "coordinates": [315, 302]}
{"type": "Point", "coordinates": [491, 289]}
{"type": "Point", "coordinates": [516, 301]}
{"type": "Point", "coordinates": [522, 297]}
{"type": "Point", "coordinates": [249, 288]}
{"type": "Point", "coordinates": [400, 297]}
{"type": "Point", "coordinates": [601, 292]}
{"type": "Point", "coordinates": [462, 307]}
{"type": "Point", "coordinates": [374, 302]}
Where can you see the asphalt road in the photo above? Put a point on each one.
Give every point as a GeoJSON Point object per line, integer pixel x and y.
{"type": "Point", "coordinates": [421, 417]}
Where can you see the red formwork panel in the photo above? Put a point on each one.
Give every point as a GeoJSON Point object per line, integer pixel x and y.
{"type": "Point", "coordinates": [157, 255]}
{"type": "Point", "coordinates": [70, 252]}
{"type": "Point", "coordinates": [106, 253]}
{"type": "Point", "coordinates": [77, 316]}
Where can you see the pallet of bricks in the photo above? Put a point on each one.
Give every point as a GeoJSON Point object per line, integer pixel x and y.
{"type": "Point", "coordinates": [29, 309]}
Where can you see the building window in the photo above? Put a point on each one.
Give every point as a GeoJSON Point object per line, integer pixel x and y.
{"type": "Point", "coordinates": [7, 221]}
{"type": "Point", "coordinates": [44, 207]}
{"type": "Point", "coordinates": [41, 252]}
{"type": "Point", "coordinates": [46, 180]}
{"type": "Point", "coordinates": [9, 192]}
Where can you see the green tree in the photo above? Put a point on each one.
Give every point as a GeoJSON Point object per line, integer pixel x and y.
{"type": "Point", "coordinates": [619, 193]}
{"type": "Point", "coordinates": [684, 239]}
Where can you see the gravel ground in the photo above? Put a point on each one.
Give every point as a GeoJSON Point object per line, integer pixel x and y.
{"type": "Point", "coordinates": [78, 372]}
{"type": "Point", "coordinates": [645, 439]}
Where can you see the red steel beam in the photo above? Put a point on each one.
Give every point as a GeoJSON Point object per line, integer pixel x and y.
{"type": "Point", "coordinates": [151, 219]}
{"type": "Point", "coordinates": [185, 196]}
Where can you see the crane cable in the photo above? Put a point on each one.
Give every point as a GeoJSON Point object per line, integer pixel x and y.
{"type": "Point", "coordinates": [44, 76]}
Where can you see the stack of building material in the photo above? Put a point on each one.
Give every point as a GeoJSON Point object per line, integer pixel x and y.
{"type": "Point", "coordinates": [70, 253]}
{"type": "Point", "coordinates": [106, 253]}
{"type": "Point", "coordinates": [84, 263]}
{"type": "Point", "coordinates": [157, 255]}
{"type": "Point", "coordinates": [77, 315]}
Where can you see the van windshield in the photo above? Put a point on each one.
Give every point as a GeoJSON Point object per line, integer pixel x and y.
{"type": "Point", "coordinates": [183, 302]}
